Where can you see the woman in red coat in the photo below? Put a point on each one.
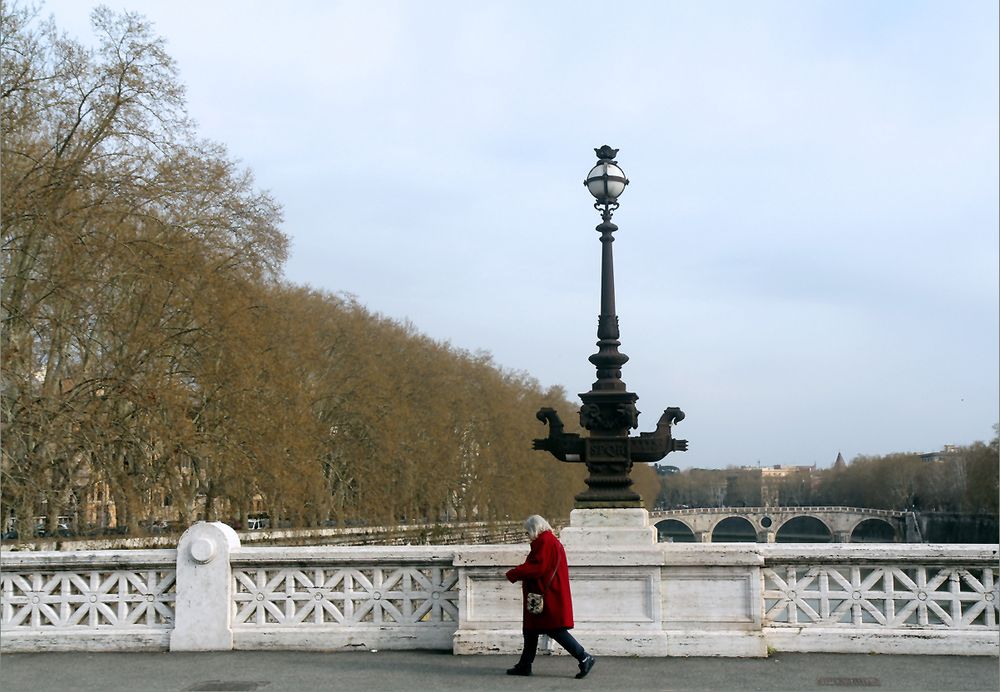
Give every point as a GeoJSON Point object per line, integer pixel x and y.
{"type": "Point", "coordinates": [546, 572]}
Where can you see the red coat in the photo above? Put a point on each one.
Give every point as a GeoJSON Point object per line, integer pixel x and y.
{"type": "Point", "coordinates": [547, 554]}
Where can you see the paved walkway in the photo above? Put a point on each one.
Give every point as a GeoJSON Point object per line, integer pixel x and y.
{"type": "Point", "coordinates": [416, 671]}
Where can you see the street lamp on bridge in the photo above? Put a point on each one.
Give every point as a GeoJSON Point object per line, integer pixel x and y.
{"type": "Point", "coordinates": [608, 410]}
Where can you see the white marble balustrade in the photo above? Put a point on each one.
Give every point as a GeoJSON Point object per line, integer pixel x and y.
{"type": "Point", "coordinates": [632, 596]}
{"type": "Point", "coordinates": [98, 600]}
{"type": "Point", "coordinates": [345, 597]}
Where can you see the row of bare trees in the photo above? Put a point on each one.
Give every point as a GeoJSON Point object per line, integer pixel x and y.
{"type": "Point", "coordinates": [964, 479]}
{"type": "Point", "coordinates": [155, 361]}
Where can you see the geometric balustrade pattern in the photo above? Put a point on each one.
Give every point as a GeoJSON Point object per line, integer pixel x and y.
{"type": "Point", "coordinates": [290, 592]}
{"type": "Point", "coordinates": [81, 599]}
{"type": "Point", "coordinates": [852, 596]}
{"type": "Point", "coordinates": [346, 595]}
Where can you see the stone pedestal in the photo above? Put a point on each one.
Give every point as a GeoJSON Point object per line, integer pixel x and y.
{"type": "Point", "coordinates": [616, 529]}
{"type": "Point", "coordinates": [614, 564]}
{"type": "Point", "coordinates": [632, 596]}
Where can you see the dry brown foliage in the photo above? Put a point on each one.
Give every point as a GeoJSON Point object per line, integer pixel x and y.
{"type": "Point", "coordinates": [151, 350]}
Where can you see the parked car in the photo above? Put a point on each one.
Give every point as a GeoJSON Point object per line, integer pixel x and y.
{"type": "Point", "coordinates": [257, 523]}
{"type": "Point", "coordinates": [62, 529]}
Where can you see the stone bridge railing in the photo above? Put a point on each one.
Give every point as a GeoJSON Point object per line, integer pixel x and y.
{"type": "Point", "coordinates": [822, 509]}
{"type": "Point", "coordinates": [661, 600]}
{"type": "Point", "coordinates": [767, 521]}
{"type": "Point", "coordinates": [459, 533]}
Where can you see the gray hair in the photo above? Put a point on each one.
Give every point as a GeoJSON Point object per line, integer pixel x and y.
{"type": "Point", "coordinates": [535, 525]}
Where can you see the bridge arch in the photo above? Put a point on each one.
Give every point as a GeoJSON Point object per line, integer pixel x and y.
{"type": "Point", "coordinates": [674, 531]}
{"type": "Point", "coordinates": [803, 528]}
{"type": "Point", "coordinates": [874, 530]}
{"type": "Point", "coordinates": [734, 529]}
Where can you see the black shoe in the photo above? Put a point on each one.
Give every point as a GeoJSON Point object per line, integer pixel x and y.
{"type": "Point", "coordinates": [519, 670]}
{"type": "Point", "coordinates": [585, 666]}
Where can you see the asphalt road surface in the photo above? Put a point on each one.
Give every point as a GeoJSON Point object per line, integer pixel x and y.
{"type": "Point", "coordinates": [415, 671]}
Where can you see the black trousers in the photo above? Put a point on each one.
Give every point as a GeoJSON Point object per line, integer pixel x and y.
{"type": "Point", "coordinates": [562, 637]}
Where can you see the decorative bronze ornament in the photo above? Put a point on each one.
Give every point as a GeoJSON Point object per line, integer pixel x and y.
{"type": "Point", "coordinates": [608, 410]}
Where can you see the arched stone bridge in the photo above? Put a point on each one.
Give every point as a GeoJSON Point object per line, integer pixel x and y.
{"type": "Point", "coordinates": [770, 524]}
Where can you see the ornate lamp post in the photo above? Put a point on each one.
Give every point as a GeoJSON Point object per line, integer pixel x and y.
{"type": "Point", "coordinates": [608, 410]}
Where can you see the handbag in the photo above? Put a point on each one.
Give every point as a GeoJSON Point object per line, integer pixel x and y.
{"type": "Point", "coordinates": [536, 602]}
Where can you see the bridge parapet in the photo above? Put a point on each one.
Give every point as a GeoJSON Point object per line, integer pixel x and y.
{"type": "Point", "coordinates": [715, 599]}
{"type": "Point", "coordinates": [777, 510]}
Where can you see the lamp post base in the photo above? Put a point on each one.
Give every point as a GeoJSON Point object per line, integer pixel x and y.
{"type": "Point", "coordinates": [608, 484]}
{"type": "Point", "coordinates": [607, 504]}
{"type": "Point", "coordinates": [617, 527]}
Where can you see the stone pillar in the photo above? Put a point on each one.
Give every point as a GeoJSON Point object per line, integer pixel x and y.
{"type": "Point", "coordinates": [703, 536]}
{"type": "Point", "coordinates": [203, 610]}
{"type": "Point", "coordinates": [841, 536]}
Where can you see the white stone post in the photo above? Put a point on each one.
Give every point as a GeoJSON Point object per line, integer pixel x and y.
{"type": "Point", "coordinates": [204, 607]}
{"type": "Point", "coordinates": [615, 576]}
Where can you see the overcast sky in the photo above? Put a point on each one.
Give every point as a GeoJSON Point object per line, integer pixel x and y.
{"type": "Point", "coordinates": [807, 260]}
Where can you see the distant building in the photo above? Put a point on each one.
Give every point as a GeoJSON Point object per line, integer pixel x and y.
{"type": "Point", "coordinates": [779, 471]}
{"type": "Point", "coordinates": [770, 486]}
{"type": "Point", "coordinates": [947, 452]}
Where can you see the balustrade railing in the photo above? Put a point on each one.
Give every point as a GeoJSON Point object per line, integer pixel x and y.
{"type": "Point", "coordinates": [415, 596]}
{"type": "Point", "coordinates": [921, 598]}
{"type": "Point", "coordinates": [365, 594]}
{"type": "Point", "coordinates": [100, 599]}
{"type": "Point", "coordinates": [851, 596]}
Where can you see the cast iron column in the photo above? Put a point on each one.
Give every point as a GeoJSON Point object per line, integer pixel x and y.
{"type": "Point", "coordinates": [608, 410]}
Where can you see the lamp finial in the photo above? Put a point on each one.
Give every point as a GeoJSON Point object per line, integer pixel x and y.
{"type": "Point", "coordinates": [606, 153]}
